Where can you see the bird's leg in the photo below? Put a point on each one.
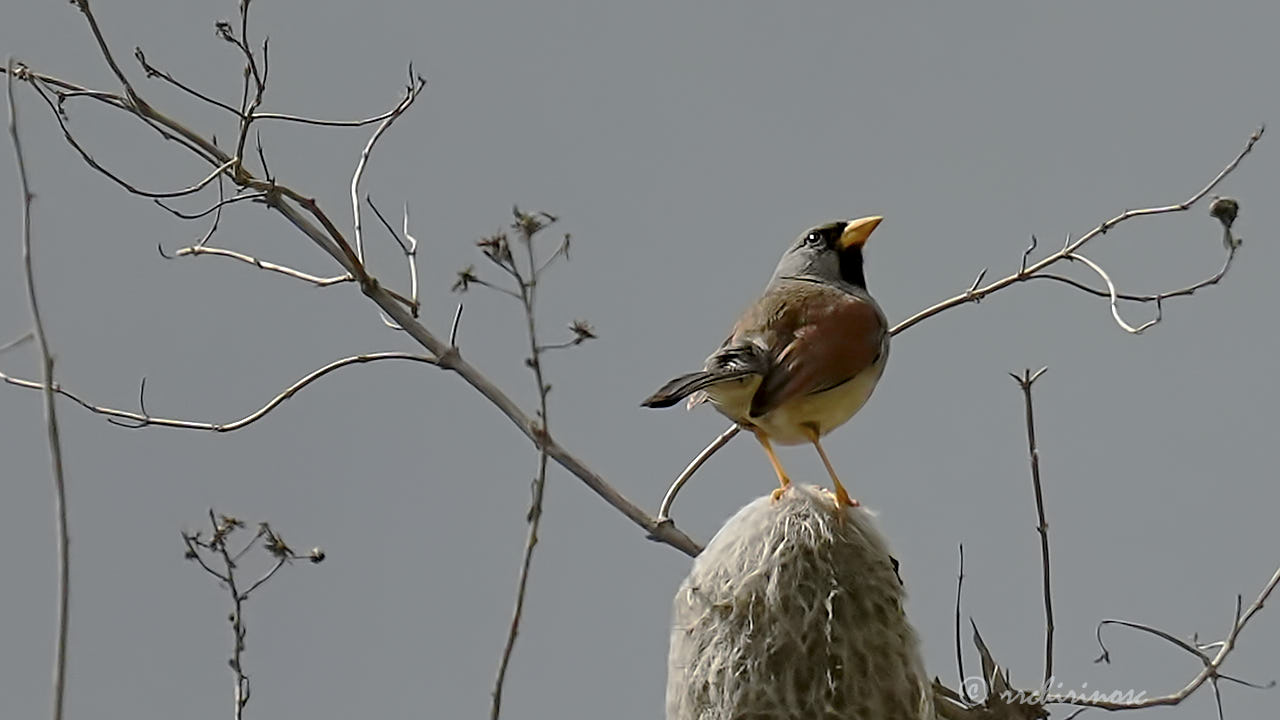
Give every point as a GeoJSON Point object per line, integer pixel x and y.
{"type": "Point", "coordinates": [842, 496]}
{"type": "Point", "coordinates": [783, 480]}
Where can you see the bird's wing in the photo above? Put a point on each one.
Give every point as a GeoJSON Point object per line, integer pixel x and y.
{"type": "Point", "coordinates": [819, 344]}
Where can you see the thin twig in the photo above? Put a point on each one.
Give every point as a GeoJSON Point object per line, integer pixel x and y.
{"type": "Point", "coordinates": [83, 5]}
{"type": "Point", "coordinates": [125, 184]}
{"type": "Point", "coordinates": [153, 71]}
{"type": "Point", "coordinates": [964, 685]}
{"type": "Point", "coordinates": [326, 123]}
{"type": "Point", "coordinates": [528, 296]}
{"type": "Point", "coordinates": [19, 341]}
{"type": "Point", "coordinates": [222, 202]}
{"type": "Point", "coordinates": [1209, 673]}
{"type": "Point", "coordinates": [144, 419]}
{"type": "Point", "coordinates": [453, 329]}
{"type": "Point", "coordinates": [50, 415]}
{"type": "Point", "coordinates": [1025, 381]}
{"type": "Point", "coordinates": [664, 510]}
{"type": "Point", "coordinates": [415, 86]}
{"type": "Point", "coordinates": [261, 265]}
{"type": "Point", "coordinates": [251, 73]}
{"type": "Point", "coordinates": [1111, 292]}
{"type": "Point", "coordinates": [411, 257]}
{"type": "Point", "coordinates": [408, 246]}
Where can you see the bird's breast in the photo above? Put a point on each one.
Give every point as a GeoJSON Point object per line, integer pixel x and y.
{"type": "Point", "coordinates": [788, 423]}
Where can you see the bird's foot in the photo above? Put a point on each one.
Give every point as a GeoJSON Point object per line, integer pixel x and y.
{"type": "Point", "coordinates": [842, 500]}
{"type": "Point", "coordinates": [776, 495]}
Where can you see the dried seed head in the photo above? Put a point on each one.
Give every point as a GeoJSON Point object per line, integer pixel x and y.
{"type": "Point", "coordinates": [1225, 209]}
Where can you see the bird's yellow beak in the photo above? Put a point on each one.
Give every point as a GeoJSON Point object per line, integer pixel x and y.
{"type": "Point", "coordinates": [857, 231]}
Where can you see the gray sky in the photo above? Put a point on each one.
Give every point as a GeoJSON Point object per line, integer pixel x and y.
{"type": "Point", "coordinates": [683, 145]}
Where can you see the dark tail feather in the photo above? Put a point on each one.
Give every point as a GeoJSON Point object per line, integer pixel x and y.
{"type": "Point", "coordinates": [686, 385]}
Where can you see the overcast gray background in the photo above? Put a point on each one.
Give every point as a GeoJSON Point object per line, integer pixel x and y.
{"type": "Point", "coordinates": [684, 145]}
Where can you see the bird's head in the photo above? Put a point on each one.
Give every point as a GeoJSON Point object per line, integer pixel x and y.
{"type": "Point", "coordinates": [830, 252]}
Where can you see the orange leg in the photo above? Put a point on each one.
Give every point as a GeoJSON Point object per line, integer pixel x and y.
{"type": "Point", "coordinates": [842, 496]}
{"type": "Point", "coordinates": [783, 480]}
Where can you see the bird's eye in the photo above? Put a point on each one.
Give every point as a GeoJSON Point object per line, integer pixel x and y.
{"type": "Point", "coordinates": [813, 238]}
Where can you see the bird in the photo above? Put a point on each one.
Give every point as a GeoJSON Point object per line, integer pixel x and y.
{"type": "Point", "coordinates": [804, 357]}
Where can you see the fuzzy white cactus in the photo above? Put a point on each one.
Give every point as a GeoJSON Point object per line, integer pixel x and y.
{"type": "Point", "coordinates": [795, 613]}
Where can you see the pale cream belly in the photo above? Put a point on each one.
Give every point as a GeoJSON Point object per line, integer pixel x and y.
{"type": "Point", "coordinates": [787, 425]}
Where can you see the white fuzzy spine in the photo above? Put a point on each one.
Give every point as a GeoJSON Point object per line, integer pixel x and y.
{"type": "Point", "coordinates": [792, 612]}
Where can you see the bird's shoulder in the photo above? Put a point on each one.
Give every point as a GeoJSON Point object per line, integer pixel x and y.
{"type": "Point", "coordinates": [793, 308]}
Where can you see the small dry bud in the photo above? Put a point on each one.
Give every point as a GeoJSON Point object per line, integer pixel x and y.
{"type": "Point", "coordinates": [582, 331]}
{"type": "Point", "coordinates": [276, 546]}
{"type": "Point", "coordinates": [317, 555]}
{"type": "Point", "coordinates": [496, 248]}
{"type": "Point", "coordinates": [530, 224]}
{"type": "Point", "coordinates": [190, 555]}
{"type": "Point", "coordinates": [1225, 209]}
{"type": "Point", "coordinates": [466, 276]}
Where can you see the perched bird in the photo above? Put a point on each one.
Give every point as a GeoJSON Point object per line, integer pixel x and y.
{"type": "Point", "coordinates": [805, 356]}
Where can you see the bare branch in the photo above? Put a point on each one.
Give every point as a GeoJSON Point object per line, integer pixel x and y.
{"type": "Point", "coordinates": [408, 245]}
{"type": "Point", "coordinates": [414, 87]}
{"type": "Point", "coordinates": [582, 332]}
{"type": "Point", "coordinates": [1026, 272]}
{"type": "Point", "coordinates": [222, 202]}
{"type": "Point", "coordinates": [453, 329]}
{"type": "Point", "coordinates": [50, 414]}
{"type": "Point", "coordinates": [1209, 673]}
{"type": "Point", "coordinates": [664, 510]}
{"type": "Point", "coordinates": [252, 77]}
{"type": "Point", "coordinates": [17, 342]}
{"type": "Point", "coordinates": [83, 6]}
{"type": "Point", "coordinates": [1111, 291]}
{"type": "Point", "coordinates": [153, 72]}
{"type": "Point", "coordinates": [327, 123]}
{"type": "Point", "coordinates": [1025, 381]}
{"type": "Point", "coordinates": [1213, 279]}
{"type": "Point", "coordinates": [262, 265]}
{"type": "Point", "coordinates": [527, 281]}
{"type": "Point", "coordinates": [262, 157]}
{"type": "Point", "coordinates": [1022, 268]}
{"type": "Point", "coordinates": [125, 184]}
{"type": "Point", "coordinates": [964, 685]}
{"type": "Point", "coordinates": [145, 419]}
{"type": "Point", "coordinates": [1105, 657]}
{"type": "Point", "coordinates": [562, 251]}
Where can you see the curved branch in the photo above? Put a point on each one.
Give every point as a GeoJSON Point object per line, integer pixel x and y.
{"type": "Point", "coordinates": [415, 87]}
{"type": "Point", "coordinates": [664, 510]}
{"type": "Point", "coordinates": [212, 208]}
{"type": "Point", "coordinates": [144, 419]}
{"type": "Point", "coordinates": [261, 265]}
{"type": "Point", "coordinates": [1026, 272]}
{"type": "Point", "coordinates": [1209, 673]}
{"type": "Point", "coordinates": [1111, 292]}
